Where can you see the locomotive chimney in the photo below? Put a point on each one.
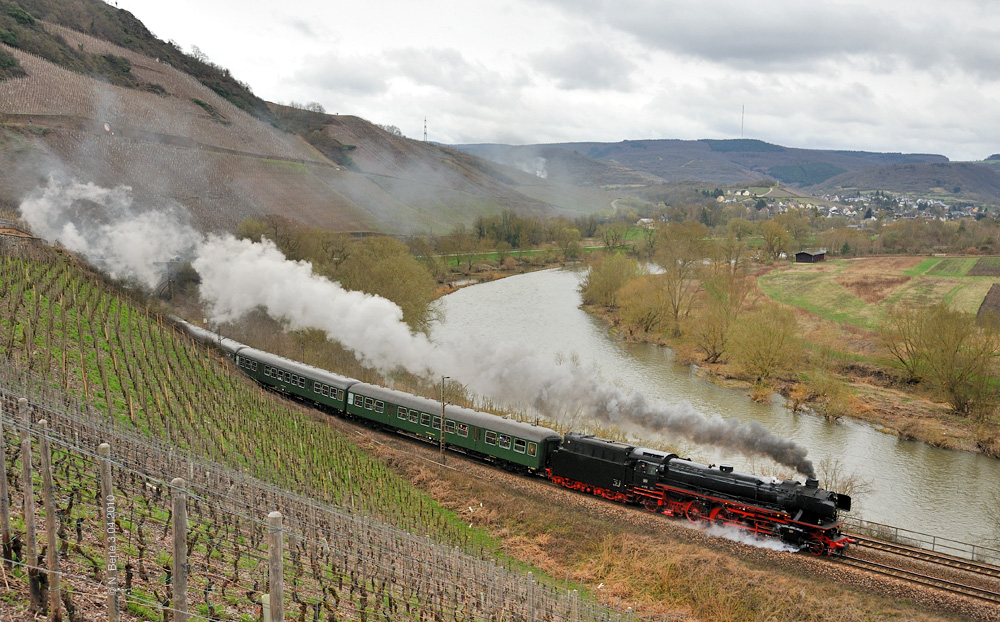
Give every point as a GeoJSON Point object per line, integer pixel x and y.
{"type": "Point", "coordinates": [812, 482]}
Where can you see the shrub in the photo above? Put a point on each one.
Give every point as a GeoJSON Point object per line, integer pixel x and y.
{"type": "Point", "coordinates": [22, 16]}
{"type": "Point", "coordinates": [8, 37]}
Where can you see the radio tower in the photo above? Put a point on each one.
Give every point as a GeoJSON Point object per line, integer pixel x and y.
{"type": "Point", "coordinates": [425, 129]}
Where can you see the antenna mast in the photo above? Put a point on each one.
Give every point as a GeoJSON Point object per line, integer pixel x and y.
{"type": "Point", "coordinates": [743, 109]}
{"type": "Point", "coordinates": [425, 129]}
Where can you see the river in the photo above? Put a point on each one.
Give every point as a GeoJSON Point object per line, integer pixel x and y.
{"type": "Point", "coordinates": [909, 485]}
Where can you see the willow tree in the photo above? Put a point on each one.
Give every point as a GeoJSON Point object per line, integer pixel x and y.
{"type": "Point", "coordinates": [683, 249]}
{"type": "Point", "coordinates": [385, 267]}
{"type": "Point", "coordinates": [763, 343]}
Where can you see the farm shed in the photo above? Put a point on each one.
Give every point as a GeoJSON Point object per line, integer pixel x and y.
{"type": "Point", "coordinates": [810, 256]}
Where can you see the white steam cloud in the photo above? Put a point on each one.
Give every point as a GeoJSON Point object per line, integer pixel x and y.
{"type": "Point", "coordinates": [238, 276]}
{"type": "Point", "coordinates": [104, 226]}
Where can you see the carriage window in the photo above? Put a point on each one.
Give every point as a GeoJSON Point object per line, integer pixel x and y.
{"type": "Point", "coordinates": [532, 449]}
{"type": "Point", "coordinates": [302, 382]}
{"type": "Point", "coordinates": [463, 430]}
{"type": "Point", "coordinates": [401, 412]}
{"type": "Point", "coordinates": [504, 441]}
{"type": "Point", "coordinates": [379, 406]}
{"type": "Point", "coordinates": [350, 398]}
{"type": "Point", "coordinates": [414, 416]}
{"type": "Point", "coordinates": [449, 426]}
{"type": "Point", "coordinates": [369, 403]}
{"type": "Point", "coordinates": [491, 438]}
{"type": "Point", "coordinates": [425, 419]}
{"type": "Point", "coordinates": [255, 365]}
{"type": "Point", "coordinates": [437, 422]}
{"type": "Point", "coordinates": [519, 445]}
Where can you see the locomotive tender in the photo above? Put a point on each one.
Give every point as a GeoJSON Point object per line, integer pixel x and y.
{"type": "Point", "coordinates": [804, 516]}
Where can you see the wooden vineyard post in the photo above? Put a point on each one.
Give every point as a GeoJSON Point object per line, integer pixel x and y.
{"type": "Point", "coordinates": [180, 550]}
{"type": "Point", "coordinates": [30, 553]}
{"type": "Point", "coordinates": [276, 580]}
{"type": "Point", "coordinates": [8, 554]}
{"type": "Point", "coordinates": [55, 614]}
{"type": "Point", "coordinates": [531, 596]}
{"type": "Point", "coordinates": [107, 510]}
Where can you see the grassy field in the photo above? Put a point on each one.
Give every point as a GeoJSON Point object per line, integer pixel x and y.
{"type": "Point", "coordinates": [857, 292]}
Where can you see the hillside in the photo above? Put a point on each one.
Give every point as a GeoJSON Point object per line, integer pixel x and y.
{"type": "Point", "coordinates": [714, 161]}
{"type": "Point", "coordinates": [171, 138]}
{"type": "Point", "coordinates": [956, 180]}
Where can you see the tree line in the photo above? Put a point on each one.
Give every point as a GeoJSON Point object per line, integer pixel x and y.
{"type": "Point", "coordinates": [693, 287]}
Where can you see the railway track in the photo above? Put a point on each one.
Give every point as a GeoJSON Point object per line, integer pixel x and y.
{"type": "Point", "coordinates": [930, 557]}
{"type": "Point", "coordinates": [912, 576]}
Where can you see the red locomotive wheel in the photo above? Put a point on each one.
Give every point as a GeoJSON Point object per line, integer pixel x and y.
{"type": "Point", "coordinates": [651, 504]}
{"type": "Point", "coordinates": [695, 512]}
{"type": "Point", "coordinates": [817, 547]}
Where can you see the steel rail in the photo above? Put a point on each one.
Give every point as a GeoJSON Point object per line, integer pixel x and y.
{"type": "Point", "coordinates": [939, 559]}
{"type": "Point", "coordinates": [919, 579]}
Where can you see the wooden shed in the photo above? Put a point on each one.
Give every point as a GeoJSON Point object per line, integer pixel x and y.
{"type": "Point", "coordinates": [810, 256]}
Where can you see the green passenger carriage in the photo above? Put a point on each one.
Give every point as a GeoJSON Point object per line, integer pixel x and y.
{"type": "Point", "coordinates": [297, 379]}
{"type": "Point", "coordinates": [520, 446]}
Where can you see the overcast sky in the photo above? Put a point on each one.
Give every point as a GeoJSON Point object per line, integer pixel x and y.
{"type": "Point", "coordinates": [886, 75]}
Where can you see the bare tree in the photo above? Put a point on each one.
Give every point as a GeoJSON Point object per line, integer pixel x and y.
{"type": "Point", "coordinates": [722, 300]}
{"type": "Point", "coordinates": [900, 334]}
{"type": "Point", "coordinates": [613, 235]}
{"type": "Point", "coordinates": [961, 360]}
{"type": "Point", "coordinates": [680, 255]}
{"type": "Point", "coordinates": [776, 239]}
{"type": "Point", "coordinates": [762, 342]}
{"type": "Point", "coordinates": [606, 277]}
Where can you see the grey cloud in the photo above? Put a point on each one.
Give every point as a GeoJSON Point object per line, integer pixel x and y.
{"type": "Point", "coordinates": [790, 35]}
{"type": "Point", "coordinates": [357, 76]}
{"type": "Point", "coordinates": [585, 65]}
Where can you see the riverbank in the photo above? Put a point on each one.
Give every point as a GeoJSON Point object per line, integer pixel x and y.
{"type": "Point", "coordinates": [849, 386]}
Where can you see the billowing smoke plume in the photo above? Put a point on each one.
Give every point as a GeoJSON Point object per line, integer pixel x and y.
{"type": "Point", "coordinates": [238, 276]}
{"type": "Point", "coordinates": [104, 226]}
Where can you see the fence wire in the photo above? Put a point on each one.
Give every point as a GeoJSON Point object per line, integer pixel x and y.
{"type": "Point", "coordinates": [338, 564]}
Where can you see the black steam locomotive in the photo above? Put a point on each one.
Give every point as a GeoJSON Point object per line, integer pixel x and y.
{"type": "Point", "coordinates": [803, 516]}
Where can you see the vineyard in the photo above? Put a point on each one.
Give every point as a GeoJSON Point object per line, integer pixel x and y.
{"type": "Point", "coordinates": [92, 340]}
{"type": "Point", "coordinates": [101, 366]}
{"type": "Point", "coordinates": [52, 90]}
{"type": "Point", "coordinates": [338, 564]}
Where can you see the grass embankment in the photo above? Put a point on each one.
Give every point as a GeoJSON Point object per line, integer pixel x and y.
{"type": "Point", "coordinates": [841, 304]}
{"type": "Point", "coordinates": [92, 339]}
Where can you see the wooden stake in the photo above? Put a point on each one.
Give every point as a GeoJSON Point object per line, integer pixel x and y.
{"type": "Point", "coordinates": [31, 553]}
{"type": "Point", "coordinates": [180, 550]}
{"type": "Point", "coordinates": [8, 554]}
{"type": "Point", "coordinates": [107, 509]}
{"type": "Point", "coordinates": [55, 612]}
{"type": "Point", "coordinates": [276, 581]}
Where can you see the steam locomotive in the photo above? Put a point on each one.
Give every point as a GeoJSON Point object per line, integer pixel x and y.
{"type": "Point", "coordinates": [801, 515]}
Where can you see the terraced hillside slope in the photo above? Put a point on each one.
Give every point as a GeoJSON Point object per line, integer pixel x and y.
{"type": "Point", "coordinates": [173, 139]}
